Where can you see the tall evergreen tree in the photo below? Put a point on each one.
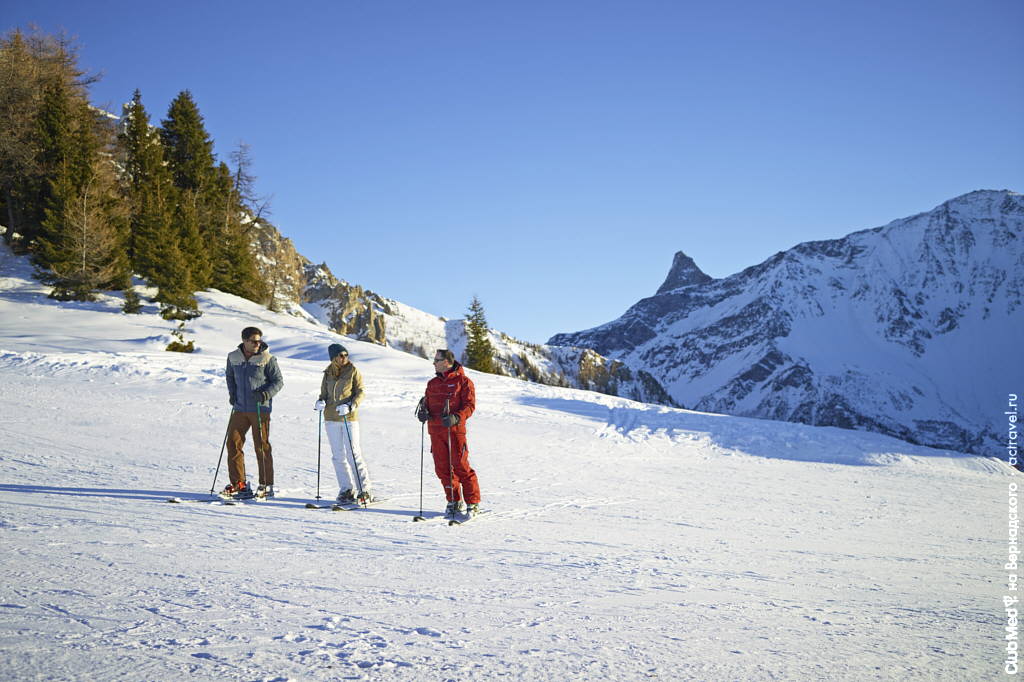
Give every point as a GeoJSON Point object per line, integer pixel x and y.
{"type": "Point", "coordinates": [64, 166]}
{"type": "Point", "coordinates": [205, 196]}
{"type": "Point", "coordinates": [174, 282]}
{"type": "Point", "coordinates": [81, 246]}
{"type": "Point", "coordinates": [18, 103]}
{"type": "Point", "coordinates": [194, 248]}
{"type": "Point", "coordinates": [77, 244]}
{"type": "Point", "coordinates": [150, 193]}
{"type": "Point", "coordinates": [188, 147]}
{"type": "Point", "coordinates": [31, 64]}
{"type": "Point", "coordinates": [222, 192]}
{"type": "Point", "coordinates": [234, 267]}
{"type": "Point", "coordinates": [479, 351]}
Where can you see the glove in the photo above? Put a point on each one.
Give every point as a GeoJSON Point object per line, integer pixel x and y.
{"type": "Point", "coordinates": [451, 420]}
{"type": "Point", "coordinates": [261, 396]}
{"type": "Point", "coordinates": [343, 409]}
{"type": "Point", "coordinates": [319, 406]}
{"type": "Point", "coordinates": [422, 413]}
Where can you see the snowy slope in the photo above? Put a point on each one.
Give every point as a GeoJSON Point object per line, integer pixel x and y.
{"type": "Point", "coordinates": [626, 541]}
{"type": "Point", "coordinates": [910, 329]}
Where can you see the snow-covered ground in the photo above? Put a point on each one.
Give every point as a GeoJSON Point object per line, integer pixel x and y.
{"type": "Point", "coordinates": [625, 541]}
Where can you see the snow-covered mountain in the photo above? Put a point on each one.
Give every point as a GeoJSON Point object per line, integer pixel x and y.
{"type": "Point", "coordinates": [625, 540]}
{"type": "Point", "coordinates": [305, 288]}
{"type": "Point", "coordinates": [912, 329]}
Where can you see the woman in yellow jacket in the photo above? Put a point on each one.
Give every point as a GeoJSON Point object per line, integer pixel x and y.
{"type": "Point", "coordinates": [341, 391]}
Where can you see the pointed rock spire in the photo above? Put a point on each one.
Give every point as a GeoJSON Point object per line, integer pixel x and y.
{"type": "Point", "coordinates": [684, 272]}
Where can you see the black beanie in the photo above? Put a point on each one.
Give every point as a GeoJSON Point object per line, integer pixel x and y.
{"type": "Point", "coordinates": [336, 349]}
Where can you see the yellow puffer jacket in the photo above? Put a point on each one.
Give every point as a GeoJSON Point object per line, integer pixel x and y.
{"type": "Point", "coordinates": [345, 387]}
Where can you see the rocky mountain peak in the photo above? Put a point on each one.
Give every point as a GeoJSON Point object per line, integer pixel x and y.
{"type": "Point", "coordinates": [879, 330]}
{"type": "Point", "coordinates": [684, 272]}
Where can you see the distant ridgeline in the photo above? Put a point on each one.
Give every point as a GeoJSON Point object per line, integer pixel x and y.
{"type": "Point", "coordinates": [912, 329]}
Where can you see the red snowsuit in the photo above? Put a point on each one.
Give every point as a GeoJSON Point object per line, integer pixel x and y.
{"type": "Point", "coordinates": [453, 390]}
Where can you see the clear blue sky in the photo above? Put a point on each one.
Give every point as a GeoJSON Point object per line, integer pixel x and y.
{"type": "Point", "coordinates": [552, 156]}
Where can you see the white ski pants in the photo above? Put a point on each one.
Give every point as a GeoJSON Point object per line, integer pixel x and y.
{"type": "Point", "coordinates": [342, 452]}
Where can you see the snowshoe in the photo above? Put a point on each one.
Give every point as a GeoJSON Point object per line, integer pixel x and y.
{"type": "Point", "coordinates": [237, 491]}
{"type": "Point", "coordinates": [265, 492]}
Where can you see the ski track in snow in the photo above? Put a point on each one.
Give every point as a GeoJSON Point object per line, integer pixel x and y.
{"type": "Point", "coordinates": [625, 541]}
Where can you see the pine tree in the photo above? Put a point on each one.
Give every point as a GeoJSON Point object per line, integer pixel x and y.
{"type": "Point", "coordinates": [193, 247]}
{"type": "Point", "coordinates": [31, 64]}
{"type": "Point", "coordinates": [150, 193]}
{"type": "Point", "coordinates": [188, 147]}
{"type": "Point", "coordinates": [188, 151]}
{"type": "Point", "coordinates": [64, 166]}
{"type": "Point", "coordinates": [132, 302]}
{"type": "Point", "coordinates": [234, 267]}
{"type": "Point", "coordinates": [82, 241]}
{"type": "Point", "coordinates": [79, 245]}
{"type": "Point", "coordinates": [18, 103]}
{"type": "Point", "coordinates": [479, 351]}
{"type": "Point", "coordinates": [242, 276]}
{"type": "Point", "coordinates": [174, 281]}
{"type": "Point", "coordinates": [212, 239]}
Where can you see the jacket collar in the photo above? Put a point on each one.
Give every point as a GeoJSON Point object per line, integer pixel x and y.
{"type": "Point", "coordinates": [455, 371]}
{"type": "Point", "coordinates": [263, 349]}
{"type": "Point", "coordinates": [345, 369]}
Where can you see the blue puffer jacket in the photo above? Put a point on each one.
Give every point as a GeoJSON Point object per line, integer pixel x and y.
{"type": "Point", "coordinates": [246, 377]}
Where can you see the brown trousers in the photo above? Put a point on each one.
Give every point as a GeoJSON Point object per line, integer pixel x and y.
{"type": "Point", "coordinates": [239, 425]}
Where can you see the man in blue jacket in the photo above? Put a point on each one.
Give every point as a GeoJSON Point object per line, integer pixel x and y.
{"type": "Point", "coordinates": [253, 379]}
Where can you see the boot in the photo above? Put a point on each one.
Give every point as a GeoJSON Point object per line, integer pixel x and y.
{"type": "Point", "coordinates": [264, 492]}
{"type": "Point", "coordinates": [238, 491]}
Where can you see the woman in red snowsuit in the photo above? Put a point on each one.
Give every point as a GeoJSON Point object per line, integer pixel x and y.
{"type": "Point", "coordinates": [449, 401]}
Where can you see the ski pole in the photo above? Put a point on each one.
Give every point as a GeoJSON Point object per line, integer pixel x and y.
{"type": "Point", "coordinates": [319, 434]}
{"type": "Point", "coordinates": [355, 464]}
{"type": "Point", "coordinates": [261, 455]}
{"type": "Point", "coordinates": [451, 468]}
{"type": "Point", "coordinates": [259, 450]}
{"type": "Point", "coordinates": [222, 446]}
{"type": "Point", "coordinates": [423, 427]}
